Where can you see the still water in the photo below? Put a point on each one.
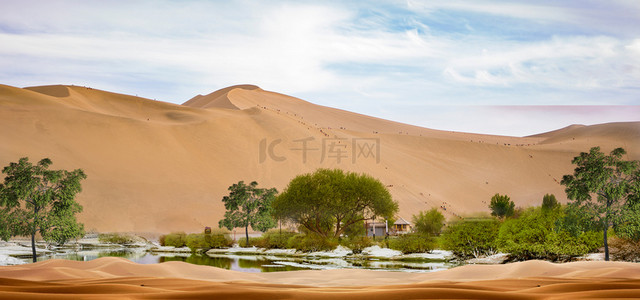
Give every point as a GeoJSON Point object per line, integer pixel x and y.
{"type": "Point", "coordinates": [258, 263]}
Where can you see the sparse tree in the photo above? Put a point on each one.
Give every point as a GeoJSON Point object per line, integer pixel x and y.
{"type": "Point", "coordinates": [34, 199]}
{"type": "Point", "coordinates": [603, 184]}
{"type": "Point", "coordinates": [328, 202]}
{"type": "Point", "coordinates": [501, 206]}
{"type": "Point", "coordinates": [549, 202]}
{"type": "Point", "coordinates": [248, 205]}
{"type": "Point", "coordinates": [428, 222]}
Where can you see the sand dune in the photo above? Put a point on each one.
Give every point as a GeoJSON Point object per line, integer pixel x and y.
{"type": "Point", "coordinates": [160, 167]}
{"type": "Point", "coordinates": [119, 278]}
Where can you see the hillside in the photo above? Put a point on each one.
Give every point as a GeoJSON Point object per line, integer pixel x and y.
{"type": "Point", "coordinates": [159, 167]}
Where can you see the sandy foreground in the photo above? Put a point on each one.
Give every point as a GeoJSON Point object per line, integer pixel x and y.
{"type": "Point", "coordinates": [117, 278]}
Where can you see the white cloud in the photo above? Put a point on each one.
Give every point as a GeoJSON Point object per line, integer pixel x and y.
{"type": "Point", "coordinates": [357, 56]}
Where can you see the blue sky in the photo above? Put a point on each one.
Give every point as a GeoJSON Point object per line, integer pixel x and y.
{"type": "Point", "coordinates": [451, 65]}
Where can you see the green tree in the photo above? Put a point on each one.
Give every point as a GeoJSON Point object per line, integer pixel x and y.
{"type": "Point", "coordinates": [248, 205]}
{"type": "Point", "coordinates": [549, 202]}
{"type": "Point", "coordinates": [34, 199]}
{"type": "Point", "coordinates": [328, 202]}
{"type": "Point", "coordinates": [602, 184]}
{"type": "Point", "coordinates": [428, 222]}
{"type": "Point", "coordinates": [501, 206]}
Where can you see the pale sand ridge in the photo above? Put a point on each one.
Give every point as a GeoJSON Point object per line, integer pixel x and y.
{"type": "Point", "coordinates": [119, 278]}
{"type": "Point", "coordinates": [160, 167]}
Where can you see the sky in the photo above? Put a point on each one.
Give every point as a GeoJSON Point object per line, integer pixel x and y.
{"type": "Point", "coordinates": [484, 66]}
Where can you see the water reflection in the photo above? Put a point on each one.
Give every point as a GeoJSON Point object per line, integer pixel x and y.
{"type": "Point", "coordinates": [257, 263]}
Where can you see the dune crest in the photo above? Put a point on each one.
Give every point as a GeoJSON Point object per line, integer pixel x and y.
{"type": "Point", "coordinates": [158, 167]}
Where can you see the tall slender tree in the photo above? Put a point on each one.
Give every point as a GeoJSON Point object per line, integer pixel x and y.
{"type": "Point", "coordinates": [34, 199]}
{"type": "Point", "coordinates": [602, 184]}
{"type": "Point", "coordinates": [501, 206]}
{"type": "Point", "coordinates": [248, 205]}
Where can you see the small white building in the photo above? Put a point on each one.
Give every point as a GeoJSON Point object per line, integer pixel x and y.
{"type": "Point", "coordinates": [380, 228]}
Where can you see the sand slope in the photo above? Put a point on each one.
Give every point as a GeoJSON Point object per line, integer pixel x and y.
{"type": "Point", "coordinates": [119, 278]}
{"type": "Point", "coordinates": [160, 167]}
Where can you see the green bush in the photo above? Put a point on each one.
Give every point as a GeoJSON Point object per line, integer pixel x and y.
{"type": "Point", "coordinates": [176, 239]}
{"type": "Point", "coordinates": [539, 234]}
{"type": "Point", "coordinates": [412, 243]}
{"type": "Point", "coordinates": [272, 239]}
{"type": "Point", "coordinates": [276, 239]}
{"type": "Point", "coordinates": [428, 222]}
{"type": "Point", "coordinates": [116, 238]}
{"type": "Point", "coordinates": [203, 242]}
{"type": "Point", "coordinates": [471, 237]}
{"type": "Point", "coordinates": [357, 243]}
{"type": "Point", "coordinates": [311, 243]}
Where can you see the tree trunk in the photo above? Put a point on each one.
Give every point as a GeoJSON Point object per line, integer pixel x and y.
{"type": "Point", "coordinates": [246, 234]}
{"type": "Point", "coordinates": [606, 244]}
{"type": "Point", "coordinates": [33, 246]}
{"type": "Point", "coordinates": [33, 233]}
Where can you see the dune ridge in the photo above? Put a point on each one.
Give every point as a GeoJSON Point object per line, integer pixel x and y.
{"type": "Point", "coordinates": [156, 167]}
{"type": "Point", "coordinates": [119, 278]}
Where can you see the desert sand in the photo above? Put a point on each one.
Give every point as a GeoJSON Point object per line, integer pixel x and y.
{"type": "Point", "coordinates": [159, 167]}
{"type": "Point", "coordinates": [117, 278]}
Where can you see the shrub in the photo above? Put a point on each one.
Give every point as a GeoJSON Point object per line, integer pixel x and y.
{"type": "Point", "coordinates": [272, 239]}
{"type": "Point", "coordinates": [116, 238]}
{"type": "Point", "coordinates": [176, 239]}
{"type": "Point", "coordinates": [538, 234]}
{"type": "Point", "coordinates": [412, 243]}
{"type": "Point", "coordinates": [624, 249]}
{"type": "Point", "coordinates": [471, 237]}
{"type": "Point", "coordinates": [429, 222]}
{"type": "Point", "coordinates": [358, 243]}
{"type": "Point", "coordinates": [203, 242]}
{"type": "Point", "coordinates": [276, 239]}
{"type": "Point", "coordinates": [311, 243]}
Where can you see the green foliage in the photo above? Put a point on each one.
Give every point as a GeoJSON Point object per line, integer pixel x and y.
{"type": "Point", "coordinates": [471, 237]}
{"type": "Point", "coordinates": [537, 235]}
{"type": "Point", "coordinates": [116, 238]}
{"type": "Point", "coordinates": [429, 222]}
{"type": "Point", "coordinates": [577, 220]}
{"type": "Point", "coordinates": [501, 206]}
{"type": "Point", "coordinates": [248, 205]}
{"type": "Point", "coordinates": [311, 243]}
{"type": "Point", "coordinates": [357, 243]}
{"type": "Point", "coordinates": [34, 199]}
{"type": "Point", "coordinates": [356, 230]}
{"type": "Point", "coordinates": [413, 243]}
{"type": "Point", "coordinates": [549, 202]}
{"type": "Point", "coordinates": [175, 239]}
{"type": "Point", "coordinates": [603, 185]}
{"type": "Point", "coordinates": [272, 239]}
{"type": "Point", "coordinates": [328, 202]}
{"type": "Point", "coordinates": [203, 242]}
{"type": "Point", "coordinates": [627, 225]}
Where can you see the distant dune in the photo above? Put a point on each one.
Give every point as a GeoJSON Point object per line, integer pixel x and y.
{"type": "Point", "coordinates": [119, 278]}
{"type": "Point", "coordinates": [159, 167]}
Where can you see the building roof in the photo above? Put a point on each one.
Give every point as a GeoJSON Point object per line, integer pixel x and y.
{"type": "Point", "coordinates": [401, 221]}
